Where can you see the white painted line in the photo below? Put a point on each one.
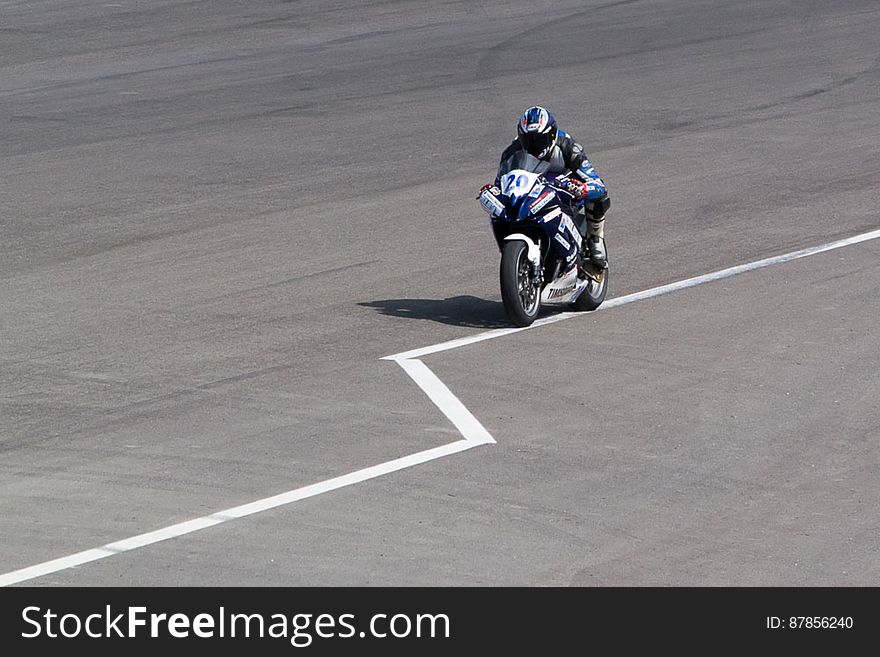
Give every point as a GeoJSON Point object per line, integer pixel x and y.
{"type": "Point", "coordinates": [473, 432]}
{"type": "Point", "coordinates": [449, 404]}
{"type": "Point", "coordinates": [640, 296]}
{"type": "Point", "coordinates": [454, 344]}
{"type": "Point", "coordinates": [233, 513]}
{"type": "Point", "coordinates": [740, 269]}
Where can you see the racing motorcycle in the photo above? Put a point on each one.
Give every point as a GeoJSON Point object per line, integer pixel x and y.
{"type": "Point", "coordinates": [536, 225]}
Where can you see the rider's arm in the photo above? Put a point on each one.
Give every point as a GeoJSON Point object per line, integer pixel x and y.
{"type": "Point", "coordinates": [596, 197]}
{"type": "Point", "coordinates": [581, 167]}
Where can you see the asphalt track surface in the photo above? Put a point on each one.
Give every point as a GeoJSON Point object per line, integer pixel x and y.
{"type": "Point", "coordinates": [218, 218]}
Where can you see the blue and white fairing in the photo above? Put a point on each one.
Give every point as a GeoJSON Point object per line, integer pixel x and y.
{"type": "Point", "coordinates": [524, 196]}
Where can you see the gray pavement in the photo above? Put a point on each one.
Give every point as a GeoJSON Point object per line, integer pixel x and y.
{"type": "Point", "coordinates": [217, 217]}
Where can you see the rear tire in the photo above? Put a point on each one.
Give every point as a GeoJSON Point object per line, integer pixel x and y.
{"type": "Point", "coordinates": [522, 298]}
{"type": "Point", "coordinates": [594, 295]}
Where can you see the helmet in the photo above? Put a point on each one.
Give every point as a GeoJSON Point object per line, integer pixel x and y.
{"type": "Point", "coordinates": [537, 131]}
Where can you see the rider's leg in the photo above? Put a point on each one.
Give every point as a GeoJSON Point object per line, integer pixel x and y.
{"type": "Point", "coordinates": [595, 214]}
{"type": "Point", "coordinates": [596, 243]}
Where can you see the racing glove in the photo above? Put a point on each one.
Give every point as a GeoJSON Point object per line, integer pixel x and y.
{"type": "Point", "coordinates": [576, 188]}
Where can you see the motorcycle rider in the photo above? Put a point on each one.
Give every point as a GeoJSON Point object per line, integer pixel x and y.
{"type": "Point", "coordinates": [539, 135]}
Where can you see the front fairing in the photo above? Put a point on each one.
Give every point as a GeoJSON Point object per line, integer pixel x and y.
{"type": "Point", "coordinates": [535, 208]}
{"type": "Point", "coordinates": [526, 196]}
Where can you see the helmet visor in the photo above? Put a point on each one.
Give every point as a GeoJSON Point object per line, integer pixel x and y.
{"type": "Point", "coordinates": [536, 143]}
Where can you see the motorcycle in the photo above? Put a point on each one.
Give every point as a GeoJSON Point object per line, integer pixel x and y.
{"type": "Point", "coordinates": [540, 234]}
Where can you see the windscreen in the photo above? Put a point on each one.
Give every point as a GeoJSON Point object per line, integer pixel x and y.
{"type": "Point", "coordinates": [524, 161]}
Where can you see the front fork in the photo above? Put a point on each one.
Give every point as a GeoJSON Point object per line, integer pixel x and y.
{"type": "Point", "coordinates": [538, 275]}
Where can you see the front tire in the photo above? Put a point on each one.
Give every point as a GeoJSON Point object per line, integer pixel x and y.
{"type": "Point", "coordinates": [519, 290]}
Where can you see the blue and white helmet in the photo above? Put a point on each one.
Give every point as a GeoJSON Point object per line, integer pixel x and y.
{"type": "Point", "coordinates": [537, 131]}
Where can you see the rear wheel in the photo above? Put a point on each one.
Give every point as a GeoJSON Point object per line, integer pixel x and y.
{"type": "Point", "coordinates": [593, 296]}
{"type": "Point", "coordinates": [519, 290]}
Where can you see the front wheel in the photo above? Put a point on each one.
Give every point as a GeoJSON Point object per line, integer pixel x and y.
{"type": "Point", "coordinates": [520, 291]}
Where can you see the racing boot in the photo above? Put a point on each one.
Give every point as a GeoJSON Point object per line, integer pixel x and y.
{"type": "Point", "coordinates": [595, 243]}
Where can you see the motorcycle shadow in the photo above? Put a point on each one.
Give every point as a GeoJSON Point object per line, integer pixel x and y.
{"type": "Point", "coordinates": [467, 311]}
